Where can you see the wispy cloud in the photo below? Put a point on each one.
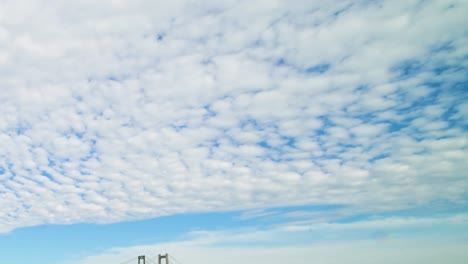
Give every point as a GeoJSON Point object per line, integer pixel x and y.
{"type": "Point", "coordinates": [360, 242]}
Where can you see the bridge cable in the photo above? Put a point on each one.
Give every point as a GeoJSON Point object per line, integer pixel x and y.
{"type": "Point", "coordinates": [128, 261]}
{"type": "Point", "coordinates": [170, 256]}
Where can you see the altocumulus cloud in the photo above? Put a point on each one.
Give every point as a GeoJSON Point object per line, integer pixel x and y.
{"type": "Point", "coordinates": [121, 110]}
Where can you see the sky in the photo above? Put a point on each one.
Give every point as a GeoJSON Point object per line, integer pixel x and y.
{"type": "Point", "coordinates": [258, 131]}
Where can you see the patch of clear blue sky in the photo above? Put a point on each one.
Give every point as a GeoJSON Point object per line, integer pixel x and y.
{"type": "Point", "coordinates": [315, 69]}
{"type": "Point", "coordinates": [320, 68]}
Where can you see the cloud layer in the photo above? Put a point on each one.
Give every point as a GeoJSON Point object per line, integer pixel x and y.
{"type": "Point", "coordinates": [136, 109]}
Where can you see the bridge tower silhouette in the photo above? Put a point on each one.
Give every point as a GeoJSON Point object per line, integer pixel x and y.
{"type": "Point", "coordinates": [166, 257]}
{"type": "Point", "coordinates": [162, 259]}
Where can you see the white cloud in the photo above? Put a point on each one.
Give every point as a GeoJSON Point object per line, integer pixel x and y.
{"type": "Point", "coordinates": [136, 109]}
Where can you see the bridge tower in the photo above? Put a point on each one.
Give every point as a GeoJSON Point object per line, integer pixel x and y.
{"type": "Point", "coordinates": [160, 257]}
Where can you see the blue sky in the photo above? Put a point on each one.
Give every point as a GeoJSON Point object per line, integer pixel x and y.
{"type": "Point", "coordinates": [268, 131]}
